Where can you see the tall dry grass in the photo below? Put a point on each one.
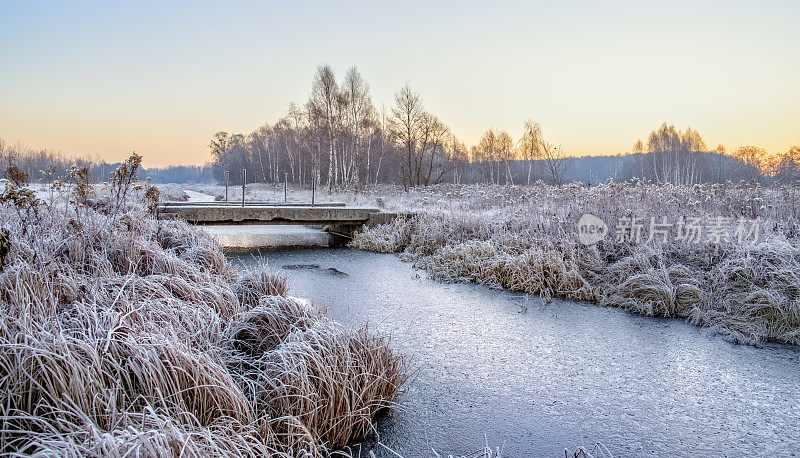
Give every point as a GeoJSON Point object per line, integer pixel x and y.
{"type": "Point", "coordinates": [524, 239]}
{"type": "Point", "coordinates": [131, 336]}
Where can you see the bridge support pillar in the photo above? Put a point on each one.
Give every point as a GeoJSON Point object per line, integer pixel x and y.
{"type": "Point", "coordinates": [341, 234]}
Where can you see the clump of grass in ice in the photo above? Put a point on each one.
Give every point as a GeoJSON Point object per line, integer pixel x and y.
{"type": "Point", "coordinates": [330, 382]}
{"type": "Point", "coordinates": [265, 326]}
{"type": "Point", "coordinates": [644, 283]}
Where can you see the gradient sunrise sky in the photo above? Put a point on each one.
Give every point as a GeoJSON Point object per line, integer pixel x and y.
{"type": "Point", "coordinates": [106, 78]}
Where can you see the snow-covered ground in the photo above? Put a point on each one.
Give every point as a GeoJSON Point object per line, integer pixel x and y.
{"type": "Point", "coordinates": [194, 196]}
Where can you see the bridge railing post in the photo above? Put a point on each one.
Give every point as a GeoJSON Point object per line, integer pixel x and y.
{"type": "Point", "coordinates": [313, 189]}
{"type": "Point", "coordinates": [227, 176]}
{"type": "Point", "coordinates": [285, 187]}
{"type": "Point", "coordinates": [244, 184]}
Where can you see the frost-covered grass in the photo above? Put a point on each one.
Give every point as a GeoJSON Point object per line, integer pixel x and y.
{"type": "Point", "coordinates": [524, 239]}
{"type": "Point", "coordinates": [128, 336]}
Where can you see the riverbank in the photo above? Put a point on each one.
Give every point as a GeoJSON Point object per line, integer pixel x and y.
{"type": "Point", "coordinates": [121, 334]}
{"type": "Point", "coordinates": [525, 239]}
{"type": "Point", "coordinates": [558, 376]}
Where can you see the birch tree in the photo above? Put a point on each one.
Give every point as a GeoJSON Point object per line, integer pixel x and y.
{"type": "Point", "coordinates": [530, 145]}
{"type": "Point", "coordinates": [324, 94]}
{"type": "Point", "coordinates": [360, 111]}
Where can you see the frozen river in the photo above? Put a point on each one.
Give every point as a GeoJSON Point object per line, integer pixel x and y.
{"type": "Point", "coordinates": [558, 376]}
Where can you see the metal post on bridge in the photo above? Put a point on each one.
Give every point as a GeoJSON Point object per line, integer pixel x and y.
{"type": "Point", "coordinates": [227, 176]}
{"type": "Point", "coordinates": [244, 184]}
{"type": "Point", "coordinates": [285, 187]}
{"type": "Point", "coordinates": [313, 188]}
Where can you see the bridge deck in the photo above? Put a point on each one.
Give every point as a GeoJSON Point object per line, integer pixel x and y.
{"type": "Point", "coordinates": [270, 214]}
{"type": "Point", "coordinates": [222, 203]}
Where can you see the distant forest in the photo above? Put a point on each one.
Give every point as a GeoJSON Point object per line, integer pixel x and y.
{"type": "Point", "coordinates": [338, 138]}
{"type": "Point", "coordinates": [46, 165]}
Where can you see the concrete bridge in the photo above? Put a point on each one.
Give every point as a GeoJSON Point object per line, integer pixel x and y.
{"type": "Point", "coordinates": [336, 218]}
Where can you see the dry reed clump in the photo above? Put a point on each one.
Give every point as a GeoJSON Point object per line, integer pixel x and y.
{"type": "Point", "coordinates": [385, 238]}
{"type": "Point", "coordinates": [522, 238]}
{"type": "Point", "coordinates": [756, 294]}
{"type": "Point", "coordinates": [103, 373]}
{"type": "Point", "coordinates": [252, 285]}
{"type": "Point", "coordinates": [546, 271]}
{"type": "Point", "coordinates": [154, 434]}
{"type": "Point", "coordinates": [643, 283]}
{"type": "Point", "coordinates": [124, 335]}
{"type": "Point", "coordinates": [266, 325]}
{"type": "Point", "coordinates": [435, 230]}
{"type": "Point", "coordinates": [748, 293]}
{"type": "Point", "coordinates": [330, 382]}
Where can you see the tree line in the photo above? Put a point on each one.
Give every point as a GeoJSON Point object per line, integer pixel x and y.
{"type": "Point", "coordinates": [338, 138]}
{"type": "Point", "coordinates": [682, 158]}
{"type": "Point", "coordinates": [43, 165]}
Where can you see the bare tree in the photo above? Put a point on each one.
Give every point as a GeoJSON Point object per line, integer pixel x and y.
{"type": "Point", "coordinates": [787, 167]}
{"type": "Point", "coordinates": [487, 153]}
{"type": "Point", "coordinates": [383, 125]}
{"type": "Point", "coordinates": [324, 94]}
{"type": "Point", "coordinates": [219, 152]}
{"type": "Point", "coordinates": [530, 145]}
{"type": "Point", "coordinates": [505, 154]}
{"type": "Point", "coordinates": [360, 114]}
{"type": "Point", "coordinates": [555, 162]}
{"type": "Point", "coordinates": [433, 161]}
{"type": "Point", "coordinates": [676, 157]}
{"type": "Point", "coordinates": [407, 117]}
{"type": "Point", "coordinates": [638, 151]}
{"type": "Point", "coordinates": [752, 160]}
{"type": "Point", "coordinates": [459, 155]}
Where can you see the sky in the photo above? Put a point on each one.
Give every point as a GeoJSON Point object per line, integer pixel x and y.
{"type": "Point", "coordinates": [103, 78]}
